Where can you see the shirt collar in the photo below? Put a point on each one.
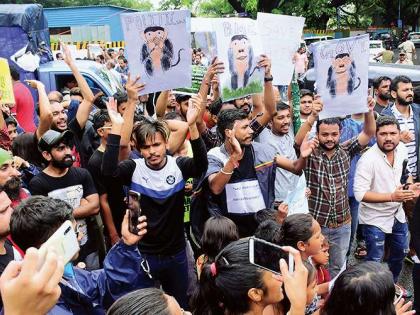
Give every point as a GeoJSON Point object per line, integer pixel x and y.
{"type": "Point", "coordinates": [398, 114]}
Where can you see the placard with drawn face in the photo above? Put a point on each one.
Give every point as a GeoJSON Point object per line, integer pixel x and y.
{"type": "Point", "coordinates": [158, 48]}
{"type": "Point", "coordinates": [341, 69]}
{"type": "Point", "coordinates": [238, 46]}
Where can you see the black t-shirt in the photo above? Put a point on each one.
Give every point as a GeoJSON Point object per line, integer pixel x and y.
{"type": "Point", "coordinates": [113, 189]}
{"type": "Point", "coordinates": [76, 184]}
{"type": "Point", "coordinates": [246, 223]}
{"type": "Point", "coordinates": [8, 257]}
{"type": "Point", "coordinates": [246, 169]}
{"type": "Point", "coordinates": [162, 193]}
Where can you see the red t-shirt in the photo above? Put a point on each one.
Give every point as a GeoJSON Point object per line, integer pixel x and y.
{"type": "Point", "coordinates": [24, 108]}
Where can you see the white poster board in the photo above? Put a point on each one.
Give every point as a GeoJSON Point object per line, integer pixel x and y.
{"type": "Point", "coordinates": [296, 199]}
{"type": "Point", "coordinates": [238, 46]}
{"type": "Point", "coordinates": [280, 37]}
{"type": "Point", "coordinates": [341, 70]}
{"type": "Point", "coordinates": [158, 48]}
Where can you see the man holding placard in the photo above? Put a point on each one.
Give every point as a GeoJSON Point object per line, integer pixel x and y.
{"type": "Point", "coordinates": [327, 172]}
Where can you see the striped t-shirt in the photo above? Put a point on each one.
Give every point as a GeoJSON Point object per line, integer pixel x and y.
{"type": "Point", "coordinates": [408, 124]}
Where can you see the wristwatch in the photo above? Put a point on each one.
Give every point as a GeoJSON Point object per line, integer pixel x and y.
{"type": "Point", "coordinates": [269, 79]}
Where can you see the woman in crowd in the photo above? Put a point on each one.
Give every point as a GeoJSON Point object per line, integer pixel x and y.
{"type": "Point", "coordinates": [232, 285]}
{"type": "Point", "coordinates": [367, 288]}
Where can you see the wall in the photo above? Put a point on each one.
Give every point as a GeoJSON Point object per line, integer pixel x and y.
{"type": "Point", "coordinates": [88, 16]}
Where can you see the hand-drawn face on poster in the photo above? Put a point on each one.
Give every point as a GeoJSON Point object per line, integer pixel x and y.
{"type": "Point", "coordinates": [341, 69]}
{"type": "Point", "coordinates": [241, 57]}
{"type": "Point", "coordinates": [157, 52]}
{"type": "Point", "coordinates": [239, 48]}
{"type": "Point", "coordinates": [158, 48]}
{"type": "Point", "coordinates": [342, 76]}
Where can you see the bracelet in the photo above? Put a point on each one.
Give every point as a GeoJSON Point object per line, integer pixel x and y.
{"type": "Point", "coordinates": [269, 79]}
{"type": "Point", "coordinates": [224, 172]}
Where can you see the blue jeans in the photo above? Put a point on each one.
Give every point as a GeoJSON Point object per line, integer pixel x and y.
{"type": "Point", "coordinates": [354, 211]}
{"type": "Point", "coordinates": [171, 272]}
{"type": "Point", "coordinates": [339, 239]}
{"type": "Point", "coordinates": [398, 243]}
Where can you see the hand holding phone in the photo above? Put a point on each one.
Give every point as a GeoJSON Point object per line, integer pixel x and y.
{"type": "Point", "coordinates": [63, 243]}
{"type": "Point", "coordinates": [134, 211]}
{"type": "Point", "coordinates": [267, 255]}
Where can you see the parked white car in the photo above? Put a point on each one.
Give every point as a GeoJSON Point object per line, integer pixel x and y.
{"type": "Point", "coordinates": [375, 47]}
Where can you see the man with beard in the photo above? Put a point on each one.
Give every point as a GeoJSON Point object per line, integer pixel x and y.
{"type": "Point", "coordinates": [7, 252]}
{"type": "Point", "coordinates": [77, 125]}
{"type": "Point", "coordinates": [241, 174]}
{"type": "Point", "coordinates": [327, 175]}
{"type": "Point", "coordinates": [408, 115]}
{"type": "Point", "coordinates": [259, 107]}
{"type": "Point", "coordinates": [377, 186]}
{"type": "Point", "coordinates": [10, 181]}
{"type": "Point", "coordinates": [280, 137]}
{"type": "Point", "coordinates": [74, 185]}
{"type": "Point", "coordinates": [381, 90]}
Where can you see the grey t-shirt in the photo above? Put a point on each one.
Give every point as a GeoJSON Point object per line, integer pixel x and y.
{"type": "Point", "coordinates": [284, 146]}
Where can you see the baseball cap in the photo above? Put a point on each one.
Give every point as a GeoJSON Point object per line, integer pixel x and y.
{"type": "Point", "coordinates": [52, 138]}
{"type": "Point", "coordinates": [5, 156]}
{"type": "Point", "coordinates": [402, 53]}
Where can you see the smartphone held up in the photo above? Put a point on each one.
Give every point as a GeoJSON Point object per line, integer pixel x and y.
{"type": "Point", "coordinates": [267, 255]}
{"type": "Point", "coordinates": [63, 242]}
{"type": "Point", "coordinates": [134, 211]}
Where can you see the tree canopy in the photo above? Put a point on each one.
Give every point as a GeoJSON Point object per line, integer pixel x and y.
{"type": "Point", "coordinates": [318, 13]}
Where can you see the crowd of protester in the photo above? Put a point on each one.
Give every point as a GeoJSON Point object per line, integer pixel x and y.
{"type": "Point", "coordinates": [187, 157]}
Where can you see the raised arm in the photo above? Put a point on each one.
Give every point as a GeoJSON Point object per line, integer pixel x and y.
{"type": "Point", "coordinates": [296, 166]}
{"type": "Point", "coordinates": [369, 126]}
{"type": "Point", "coordinates": [161, 104]}
{"type": "Point", "coordinates": [179, 130]}
{"type": "Point", "coordinates": [85, 106]}
{"type": "Point", "coordinates": [196, 166]}
{"type": "Point", "coordinates": [269, 99]}
{"type": "Point", "coordinates": [133, 87]}
{"type": "Point", "coordinates": [213, 70]}
{"type": "Point", "coordinates": [45, 113]}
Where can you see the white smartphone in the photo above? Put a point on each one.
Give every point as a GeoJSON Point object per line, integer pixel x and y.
{"type": "Point", "coordinates": [63, 242]}
{"type": "Point", "coordinates": [267, 255]}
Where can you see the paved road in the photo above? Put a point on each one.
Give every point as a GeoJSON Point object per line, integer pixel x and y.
{"type": "Point", "coordinates": [406, 280]}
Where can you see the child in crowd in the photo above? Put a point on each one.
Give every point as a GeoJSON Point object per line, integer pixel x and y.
{"type": "Point", "coordinates": [302, 232]}
{"type": "Point", "coordinates": [320, 261]}
{"type": "Point", "coordinates": [312, 299]}
{"type": "Point", "coordinates": [218, 232]}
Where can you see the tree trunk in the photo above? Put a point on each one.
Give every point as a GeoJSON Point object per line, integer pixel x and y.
{"type": "Point", "coordinates": [237, 6]}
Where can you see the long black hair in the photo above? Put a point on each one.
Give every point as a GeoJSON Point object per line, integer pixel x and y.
{"type": "Point", "coordinates": [367, 288]}
{"type": "Point", "coordinates": [224, 284]}
{"type": "Point", "coordinates": [218, 232]}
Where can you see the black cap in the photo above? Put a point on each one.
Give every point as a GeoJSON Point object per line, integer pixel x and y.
{"type": "Point", "coordinates": [52, 138]}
